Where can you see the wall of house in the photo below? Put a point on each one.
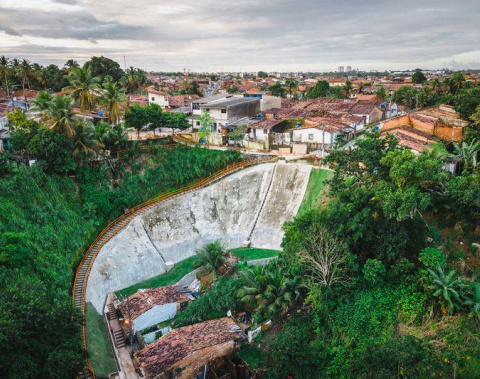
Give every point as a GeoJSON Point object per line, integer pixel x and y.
{"type": "Point", "coordinates": [238, 111]}
{"type": "Point", "coordinates": [192, 364]}
{"type": "Point", "coordinates": [173, 230]}
{"type": "Point", "coordinates": [395, 122]}
{"type": "Point", "coordinates": [448, 132]}
{"type": "Point", "coordinates": [269, 102]}
{"type": "Point", "coordinates": [161, 100]}
{"type": "Point", "coordinates": [375, 116]}
{"type": "Point", "coordinates": [302, 135]}
{"type": "Point", "coordinates": [426, 126]}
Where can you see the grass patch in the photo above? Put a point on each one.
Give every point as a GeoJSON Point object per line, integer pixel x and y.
{"type": "Point", "coordinates": [99, 348]}
{"type": "Point", "coordinates": [173, 276]}
{"type": "Point", "coordinates": [314, 193]}
{"type": "Point", "coordinates": [255, 356]}
{"type": "Point", "coordinates": [253, 253]}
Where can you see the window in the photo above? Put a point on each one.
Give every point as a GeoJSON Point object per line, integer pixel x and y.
{"type": "Point", "coordinates": [198, 123]}
{"type": "Point", "coordinates": [310, 136]}
{"type": "Point", "coordinates": [224, 111]}
{"type": "Point", "coordinates": [153, 98]}
{"type": "Point", "coordinates": [265, 131]}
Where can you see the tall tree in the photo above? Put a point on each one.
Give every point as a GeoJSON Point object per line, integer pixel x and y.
{"type": "Point", "coordinates": [113, 98]}
{"type": "Point", "coordinates": [5, 71]}
{"type": "Point", "coordinates": [292, 85]}
{"type": "Point", "coordinates": [84, 87]}
{"type": "Point", "coordinates": [59, 116]}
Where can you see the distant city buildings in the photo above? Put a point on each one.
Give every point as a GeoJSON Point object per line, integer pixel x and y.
{"type": "Point", "coordinates": [341, 69]}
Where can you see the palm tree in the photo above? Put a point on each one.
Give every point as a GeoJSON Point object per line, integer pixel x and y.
{"type": "Point", "coordinates": [85, 141]}
{"type": "Point", "coordinates": [114, 137]}
{"type": "Point", "coordinates": [5, 71]}
{"type": "Point", "coordinates": [474, 301]}
{"type": "Point", "coordinates": [83, 86]}
{"type": "Point", "coordinates": [26, 72]}
{"type": "Point", "coordinates": [254, 283]}
{"type": "Point", "coordinates": [114, 100]}
{"type": "Point", "coordinates": [446, 286]}
{"type": "Point", "coordinates": [269, 290]}
{"type": "Point", "coordinates": [59, 116]}
{"type": "Point", "coordinates": [279, 294]}
{"type": "Point", "coordinates": [467, 153]}
{"type": "Point", "coordinates": [292, 85]}
{"type": "Point", "coordinates": [457, 81]}
{"type": "Point", "coordinates": [42, 101]}
{"type": "Point", "coordinates": [347, 89]}
{"type": "Point", "coordinates": [212, 256]}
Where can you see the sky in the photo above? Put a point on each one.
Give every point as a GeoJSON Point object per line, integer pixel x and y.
{"type": "Point", "coordinates": [246, 35]}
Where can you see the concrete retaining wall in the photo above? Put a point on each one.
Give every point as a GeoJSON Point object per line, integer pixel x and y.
{"type": "Point", "coordinates": [174, 229]}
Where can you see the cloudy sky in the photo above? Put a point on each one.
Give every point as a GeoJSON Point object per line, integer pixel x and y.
{"type": "Point", "coordinates": [247, 35]}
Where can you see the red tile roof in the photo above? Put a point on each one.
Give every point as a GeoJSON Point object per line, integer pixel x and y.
{"type": "Point", "coordinates": [184, 343]}
{"type": "Point", "coordinates": [144, 300]}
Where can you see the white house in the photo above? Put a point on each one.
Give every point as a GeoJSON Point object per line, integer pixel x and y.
{"type": "Point", "coordinates": [149, 307]}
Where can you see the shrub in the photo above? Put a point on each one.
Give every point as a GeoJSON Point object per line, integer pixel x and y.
{"type": "Point", "coordinates": [432, 258]}
{"type": "Point", "coordinates": [374, 271]}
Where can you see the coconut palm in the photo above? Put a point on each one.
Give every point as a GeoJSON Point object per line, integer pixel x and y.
{"type": "Point", "coordinates": [113, 98]}
{"type": "Point", "coordinates": [279, 294]}
{"type": "Point", "coordinates": [42, 101]}
{"type": "Point", "coordinates": [59, 116]}
{"type": "Point", "coordinates": [85, 141]}
{"type": "Point", "coordinates": [474, 300]}
{"type": "Point", "coordinates": [467, 153]}
{"type": "Point", "coordinates": [254, 283]}
{"type": "Point", "coordinates": [5, 72]}
{"type": "Point", "coordinates": [446, 287]}
{"type": "Point", "coordinates": [211, 256]}
{"type": "Point", "coordinates": [26, 72]}
{"type": "Point", "coordinates": [292, 85]}
{"type": "Point", "coordinates": [114, 137]}
{"type": "Point", "coordinates": [84, 87]}
{"type": "Point", "coordinates": [268, 290]}
{"type": "Point", "coordinates": [347, 89]}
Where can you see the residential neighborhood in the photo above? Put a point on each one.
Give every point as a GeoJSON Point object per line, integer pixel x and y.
{"type": "Point", "coordinates": [239, 190]}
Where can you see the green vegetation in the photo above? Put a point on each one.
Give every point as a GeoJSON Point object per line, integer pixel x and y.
{"type": "Point", "coordinates": [41, 231]}
{"type": "Point", "coordinates": [214, 304]}
{"type": "Point", "coordinates": [99, 347]}
{"type": "Point", "coordinates": [315, 192]}
{"type": "Point", "coordinates": [253, 253]}
{"type": "Point", "coordinates": [173, 276]}
{"type": "Point", "coordinates": [47, 221]}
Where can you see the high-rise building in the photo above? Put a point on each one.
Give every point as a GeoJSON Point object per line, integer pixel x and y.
{"type": "Point", "coordinates": [341, 69]}
{"type": "Point", "coordinates": [349, 68]}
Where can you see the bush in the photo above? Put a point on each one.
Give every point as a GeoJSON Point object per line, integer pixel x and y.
{"type": "Point", "coordinates": [214, 304]}
{"type": "Point", "coordinates": [374, 271]}
{"type": "Point", "coordinates": [432, 258]}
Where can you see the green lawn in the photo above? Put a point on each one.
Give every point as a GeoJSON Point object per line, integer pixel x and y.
{"type": "Point", "coordinates": [315, 190]}
{"type": "Point", "coordinates": [252, 253]}
{"type": "Point", "coordinates": [173, 276]}
{"type": "Point", "coordinates": [99, 348]}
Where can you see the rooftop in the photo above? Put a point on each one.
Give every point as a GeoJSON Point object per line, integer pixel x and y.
{"type": "Point", "coordinates": [144, 300]}
{"type": "Point", "coordinates": [181, 343]}
{"type": "Point", "coordinates": [227, 102]}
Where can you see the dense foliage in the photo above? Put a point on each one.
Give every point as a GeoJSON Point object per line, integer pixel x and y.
{"type": "Point", "coordinates": [46, 222]}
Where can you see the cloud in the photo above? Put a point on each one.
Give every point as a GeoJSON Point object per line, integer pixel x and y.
{"type": "Point", "coordinates": [10, 31]}
{"type": "Point", "coordinates": [248, 34]}
{"type": "Point", "coordinates": [68, 2]}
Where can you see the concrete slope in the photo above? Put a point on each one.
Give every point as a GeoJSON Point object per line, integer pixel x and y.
{"type": "Point", "coordinates": [282, 203]}
{"type": "Point", "coordinates": [174, 229]}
